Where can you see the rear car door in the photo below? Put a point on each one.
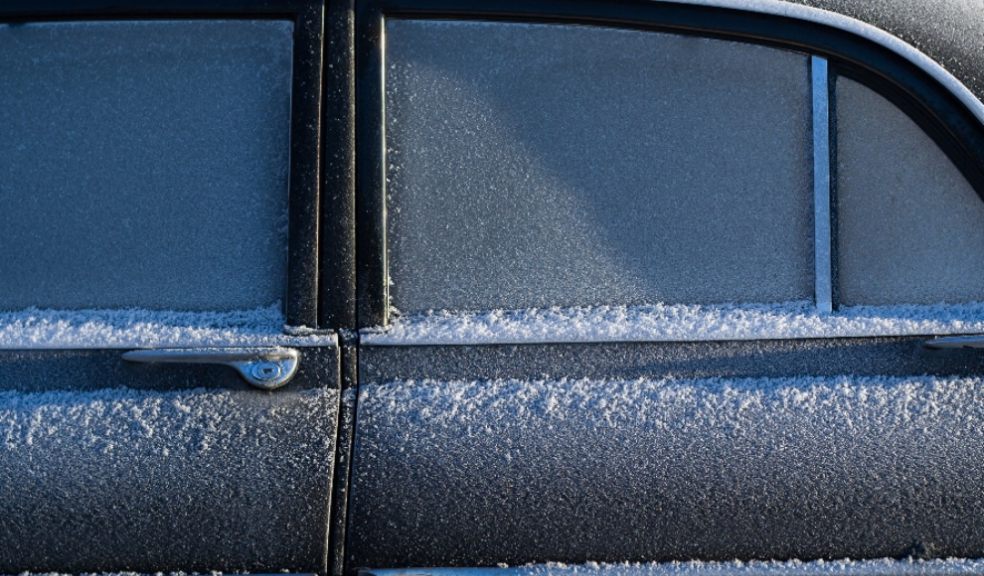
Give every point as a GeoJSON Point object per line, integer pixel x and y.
{"type": "Point", "coordinates": [656, 281]}
{"type": "Point", "coordinates": [167, 402]}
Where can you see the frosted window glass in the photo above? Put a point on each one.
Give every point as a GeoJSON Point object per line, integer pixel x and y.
{"type": "Point", "coordinates": [144, 164]}
{"type": "Point", "coordinates": [911, 228]}
{"type": "Point", "coordinates": [538, 165]}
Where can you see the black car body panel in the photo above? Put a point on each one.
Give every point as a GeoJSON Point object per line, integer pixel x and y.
{"type": "Point", "coordinates": [407, 453]}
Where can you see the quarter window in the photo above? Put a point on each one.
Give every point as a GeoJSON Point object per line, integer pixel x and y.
{"type": "Point", "coordinates": [911, 228]}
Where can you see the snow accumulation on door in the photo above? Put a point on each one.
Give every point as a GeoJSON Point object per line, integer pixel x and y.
{"type": "Point", "coordinates": [882, 567]}
{"type": "Point", "coordinates": [137, 328]}
{"type": "Point", "coordinates": [671, 468]}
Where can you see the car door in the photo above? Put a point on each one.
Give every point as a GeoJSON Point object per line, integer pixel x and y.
{"type": "Point", "coordinates": [662, 282]}
{"type": "Point", "coordinates": [168, 401]}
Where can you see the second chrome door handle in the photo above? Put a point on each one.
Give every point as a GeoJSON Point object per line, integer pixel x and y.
{"type": "Point", "coordinates": [265, 368]}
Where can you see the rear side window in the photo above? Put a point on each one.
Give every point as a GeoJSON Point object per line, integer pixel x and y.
{"type": "Point", "coordinates": [144, 164]}
{"type": "Point", "coordinates": [543, 165]}
{"type": "Point", "coordinates": [533, 165]}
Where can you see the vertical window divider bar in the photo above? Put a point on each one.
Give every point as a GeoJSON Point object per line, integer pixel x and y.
{"type": "Point", "coordinates": [823, 243]}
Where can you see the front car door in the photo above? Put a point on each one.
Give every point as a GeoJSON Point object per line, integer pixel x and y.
{"type": "Point", "coordinates": [167, 402]}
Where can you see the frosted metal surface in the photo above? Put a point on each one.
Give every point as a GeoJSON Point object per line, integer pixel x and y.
{"type": "Point", "coordinates": [197, 480]}
{"type": "Point", "coordinates": [537, 165]}
{"type": "Point", "coordinates": [843, 567]}
{"type": "Point", "coordinates": [517, 471]}
{"type": "Point", "coordinates": [911, 228]}
{"type": "Point", "coordinates": [144, 164]}
{"type": "Point", "coordinates": [948, 31]}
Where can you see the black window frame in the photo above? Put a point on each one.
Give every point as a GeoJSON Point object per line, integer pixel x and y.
{"type": "Point", "coordinates": [937, 110]}
{"type": "Point", "coordinates": [301, 294]}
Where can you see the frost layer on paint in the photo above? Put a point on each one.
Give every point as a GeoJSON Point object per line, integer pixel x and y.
{"type": "Point", "coordinates": [668, 469]}
{"type": "Point", "coordinates": [132, 328]}
{"type": "Point", "coordinates": [663, 322]}
{"type": "Point", "coordinates": [844, 567]}
{"type": "Point", "coordinates": [194, 479]}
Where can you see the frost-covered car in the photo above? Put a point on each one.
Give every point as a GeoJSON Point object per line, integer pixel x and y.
{"type": "Point", "coordinates": [548, 287]}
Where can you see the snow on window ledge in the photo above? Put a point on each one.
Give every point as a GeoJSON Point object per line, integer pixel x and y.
{"type": "Point", "coordinates": [677, 322]}
{"type": "Point", "coordinates": [845, 567]}
{"type": "Point", "coordinates": [35, 328]}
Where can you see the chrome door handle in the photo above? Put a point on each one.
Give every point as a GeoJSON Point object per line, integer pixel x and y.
{"type": "Point", "coordinates": [974, 341]}
{"type": "Point", "coordinates": [264, 368]}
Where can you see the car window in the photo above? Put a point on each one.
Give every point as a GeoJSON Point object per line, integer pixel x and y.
{"type": "Point", "coordinates": [144, 163]}
{"type": "Point", "coordinates": [539, 165]}
{"type": "Point", "coordinates": [543, 165]}
{"type": "Point", "coordinates": [911, 228]}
